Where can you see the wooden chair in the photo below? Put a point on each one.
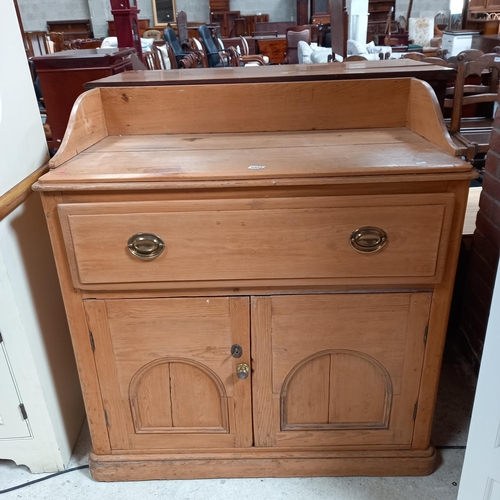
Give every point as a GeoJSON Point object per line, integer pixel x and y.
{"type": "Point", "coordinates": [418, 56]}
{"type": "Point", "coordinates": [36, 43]}
{"type": "Point", "coordinates": [236, 59]}
{"type": "Point", "coordinates": [394, 38]}
{"type": "Point", "coordinates": [453, 62]}
{"type": "Point", "coordinates": [182, 30]}
{"type": "Point", "coordinates": [354, 58]}
{"type": "Point", "coordinates": [474, 132]}
{"type": "Point", "coordinates": [148, 59]}
{"type": "Point", "coordinates": [191, 60]}
{"type": "Point", "coordinates": [245, 52]}
{"type": "Point", "coordinates": [171, 56]}
{"type": "Point", "coordinates": [163, 59]}
{"type": "Point", "coordinates": [195, 44]}
{"type": "Point", "coordinates": [293, 36]}
{"type": "Point", "coordinates": [464, 56]}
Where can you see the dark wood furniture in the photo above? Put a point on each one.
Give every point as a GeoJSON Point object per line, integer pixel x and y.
{"type": "Point", "coordinates": [72, 29]}
{"type": "Point", "coordinates": [273, 47]}
{"type": "Point", "coordinates": [250, 22]}
{"type": "Point", "coordinates": [63, 74]}
{"type": "Point", "coordinates": [320, 12]}
{"type": "Point", "coordinates": [219, 5]}
{"type": "Point", "coordinates": [436, 76]}
{"type": "Point", "coordinates": [302, 12]}
{"type": "Point", "coordinates": [143, 26]}
{"type": "Point", "coordinates": [339, 25]}
{"type": "Point", "coordinates": [478, 19]}
{"type": "Point", "coordinates": [379, 10]}
{"type": "Point", "coordinates": [279, 27]}
{"type": "Point", "coordinates": [221, 14]}
{"type": "Point", "coordinates": [225, 19]}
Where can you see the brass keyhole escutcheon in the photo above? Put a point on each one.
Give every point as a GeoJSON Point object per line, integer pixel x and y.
{"type": "Point", "coordinates": [242, 370]}
{"type": "Point", "coordinates": [236, 351]}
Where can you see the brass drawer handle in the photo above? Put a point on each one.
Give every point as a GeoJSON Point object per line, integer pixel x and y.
{"type": "Point", "coordinates": [368, 239]}
{"type": "Point", "coordinates": [145, 246]}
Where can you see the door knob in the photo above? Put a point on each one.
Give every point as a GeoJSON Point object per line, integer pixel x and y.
{"type": "Point", "coordinates": [242, 370]}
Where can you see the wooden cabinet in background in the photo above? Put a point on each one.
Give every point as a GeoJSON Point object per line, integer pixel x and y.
{"type": "Point", "coordinates": [63, 74]}
{"type": "Point", "coordinates": [477, 11]}
{"type": "Point", "coordinates": [271, 302]}
{"type": "Point", "coordinates": [250, 21]}
{"type": "Point", "coordinates": [377, 20]}
{"type": "Point", "coordinates": [272, 47]}
{"type": "Point", "coordinates": [484, 6]}
{"type": "Point", "coordinates": [71, 29]}
{"type": "Point", "coordinates": [493, 5]}
{"type": "Point", "coordinates": [226, 20]}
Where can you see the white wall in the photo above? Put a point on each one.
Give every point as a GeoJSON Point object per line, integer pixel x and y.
{"type": "Point", "coordinates": [278, 10]}
{"type": "Point", "coordinates": [19, 114]}
{"type": "Point", "coordinates": [32, 318]}
{"type": "Point", "coordinates": [35, 13]}
{"type": "Point", "coordinates": [196, 10]}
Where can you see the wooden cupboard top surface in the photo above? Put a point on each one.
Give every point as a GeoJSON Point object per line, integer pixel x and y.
{"type": "Point", "coordinates": [254, 132]}
{"type": "Point", "coordinates": [255, 156]}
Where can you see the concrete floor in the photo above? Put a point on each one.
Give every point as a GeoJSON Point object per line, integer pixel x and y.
{"type": "Point", "coordinates": [449, 435]}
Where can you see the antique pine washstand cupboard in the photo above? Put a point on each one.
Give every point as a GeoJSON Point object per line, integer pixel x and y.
{"type": "Point", "coordinates": [262, 291]}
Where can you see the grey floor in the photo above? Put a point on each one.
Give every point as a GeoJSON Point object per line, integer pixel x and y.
{"type": "Point", "coordinates": [449, 435]}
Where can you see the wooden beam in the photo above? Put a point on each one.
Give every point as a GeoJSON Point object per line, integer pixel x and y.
{"type": "Point", "coordinates": [339, 26]}
{"type": "Point", "coordinates": [10, 200]}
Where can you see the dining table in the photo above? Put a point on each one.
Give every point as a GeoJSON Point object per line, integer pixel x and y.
{"type": "Point", "coordinates": [437, 76]}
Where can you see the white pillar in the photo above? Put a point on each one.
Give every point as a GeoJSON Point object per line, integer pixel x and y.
{"type": "Point", "coordinates": [358, 20]}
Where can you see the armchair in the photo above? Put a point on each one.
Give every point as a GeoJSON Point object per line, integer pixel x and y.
{"type": "Point", "coordinates": [247, 57]}
{"type": "Point", "coordinates": [236, 59]}
{"type": "Point", "coordinates": [216, 58]}
{"type": "Point", "coordinates": [171, 39]}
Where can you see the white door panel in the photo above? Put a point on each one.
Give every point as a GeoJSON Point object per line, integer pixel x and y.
{"type": "Point", "coordinates": [12, 423]}
{"type": "Point", "coordinates": [481, 472]}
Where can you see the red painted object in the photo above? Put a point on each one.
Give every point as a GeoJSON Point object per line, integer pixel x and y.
{"type": "Point", "coordinates": [125, 13]}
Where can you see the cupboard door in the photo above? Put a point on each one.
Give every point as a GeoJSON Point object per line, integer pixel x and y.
{"type": "Point", "coordinates": [337, 369]}
{"type": "Point", "coordinates": [477, 4]}
{"type": "Point", "coordinates": [493, 5]}
{"type": "Point", "coordinates": [166, 373]}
